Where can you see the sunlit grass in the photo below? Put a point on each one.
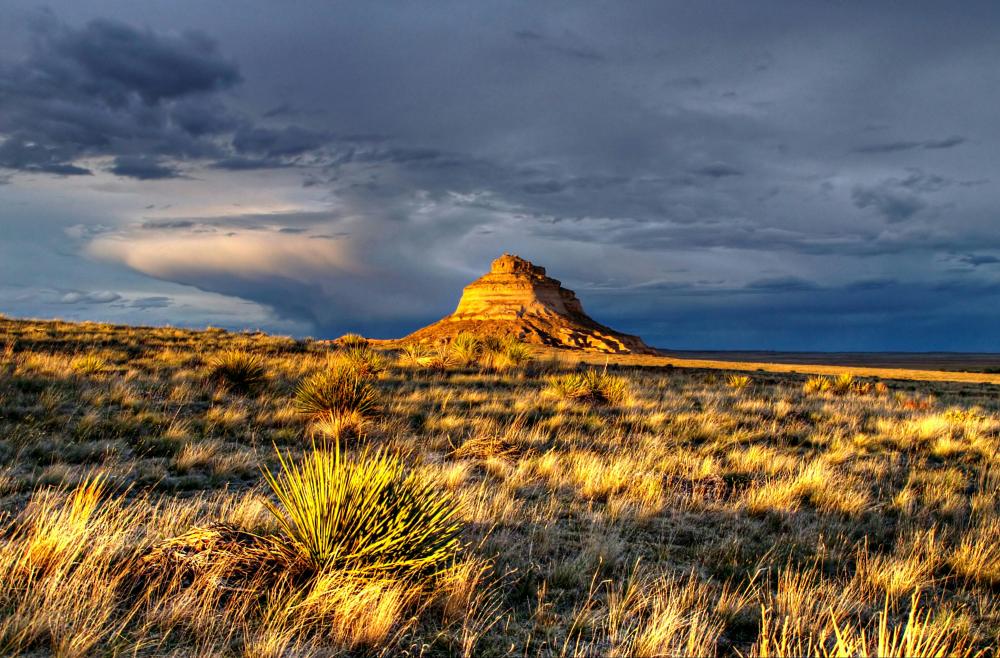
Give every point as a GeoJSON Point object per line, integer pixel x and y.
{"type": "Point", "coordinates": [684, 519]}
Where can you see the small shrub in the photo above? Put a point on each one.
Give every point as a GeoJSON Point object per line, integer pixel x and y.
{"type": "Point", "coordinates": [352, 340]}
{"type": "Point", "coordinates": [465, 349]}
{"type": "Point", "coordinates": [739, 382]}
{"type": "Point", "coordinates": [337, 392]}
{"type": "Point", "coordinates": [366, 515]}
{"type": "Point", "coordinates": [238, 371]}
{"type": "Point", "coordinates": [593, 386]}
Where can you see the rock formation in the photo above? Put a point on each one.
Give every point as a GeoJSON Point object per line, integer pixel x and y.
{"type": "Point", "coordinates": [517, 298]}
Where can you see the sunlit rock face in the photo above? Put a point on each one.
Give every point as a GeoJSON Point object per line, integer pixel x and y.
{"type": "Point", "coordinates": [517, 298]}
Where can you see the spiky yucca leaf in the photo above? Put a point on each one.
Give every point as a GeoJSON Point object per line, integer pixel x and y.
{"type": "Point", "coordinates": [738, 382]}
{"type": "Point", "coordinates": [465, 349]}
{"type": "Point", "coordinates": [337, 391]}
{"type": "Point", "coordinates": [416, 355]}
{"type": "Point", "coordinates": [238, 371]}
{"type": "Point", "coordinates": [843, 384]}
{"type": "Point", "coordinates": [363, 515]}
{"type": "Point", "coordinates": [817, 385]}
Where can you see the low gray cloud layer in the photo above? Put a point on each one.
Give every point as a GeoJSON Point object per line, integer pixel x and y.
{"type": "Point", "coordinates": [800, 175]}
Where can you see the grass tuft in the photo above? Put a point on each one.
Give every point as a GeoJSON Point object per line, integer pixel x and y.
{"type": "Point", "coordinates": [88, 364]}
{"type": "Point", "coordinates": [238, 371]}
{"type": "Point", "coordinates": [338, 401]}
{"type": "Point", "coordinates": [591, 386]}
{"type": "Point", "coordinates": [503, 354]}
{"type": "Point", "coordinates": [363, 360]}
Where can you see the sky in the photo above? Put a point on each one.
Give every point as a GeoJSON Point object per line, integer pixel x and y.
{"type": "Point", "coordinates": [798, 175]}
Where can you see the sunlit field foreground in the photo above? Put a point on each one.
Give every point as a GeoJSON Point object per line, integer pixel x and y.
{"type": "Point", "coordinates": [168, 492]}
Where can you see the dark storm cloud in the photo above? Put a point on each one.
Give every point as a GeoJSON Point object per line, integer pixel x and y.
{"type": "Point", "coordinates": [772, 167]}
{"type": "Point", "coordinates": [112, 89]}
{"type": "Point", "coordinates": [718, 170]}
{"type": "Point", "coordinates": [568, 44]}
{"type": "Point", "coordinates": [153, 301]}
{"type": "Point", "coordinates": [894, 147]}
{"type": "Point", "coordinates": [888, 200]}
{"type": "Point", "coordinates": [142, 168]}
{"type": "Point", "coordinates": [114, 61]}
{"type": "Point", "coordinates": [899, 199]}
{"type": "Point", "coordinates": [782, 284]}
{"type": "Point", "coordinates": [272, 143]}
{"type": "Point", "coordinates": [979, 259]}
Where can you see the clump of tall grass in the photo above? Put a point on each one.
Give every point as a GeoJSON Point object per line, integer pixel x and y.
{"type": "Point", "coordinates": [591, 386]}
{"type": "Point", "coordinates": [844, 384]}
{"type": "Point", "coordinates": [414, 355]}
{"type": "Point", "coordinates": [363, 360]}
{"type": "Point", "coordinates": [88, 364]}
{"type": "Point", "coordinates": [502, 354]}
{"type": "Point", "coordinates": [921, 636]}
{"type": "Point", "coordinates": [367, 515]}
{"type": "Point", "coordinates": [337, 400]}
{"type": "Point", "coordinates": [352, 340]}
{"type": "Point", "coordinates": [834, 633]}
{"type": "Point", "coordinates": [238, 371]}
{"type": "Point", "coordinates": [977, 556]}
{"type": "Point", "coordinates": [423, 356]}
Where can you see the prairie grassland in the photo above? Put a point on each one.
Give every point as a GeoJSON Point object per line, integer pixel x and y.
{"type": "Point", "coordinates": [689, 513]}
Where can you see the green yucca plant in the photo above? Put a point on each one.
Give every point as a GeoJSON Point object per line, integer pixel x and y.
{"type": "Point", "coordinates": [465, 349]}
{"type": "Point", "coordinates": [414, 355]}
{"type": "Point", "coordinates": [593, 386]}
{"type": "Point", "coordinates": [340, 390]}
{"type": "Point", "coordinates": [366, 515]}
{"type": "Point", "coordinates": [238, 371]}
{"type": "Point", "coordinates": [739, 382]}
{"type": "Point", "coordinates": [363, 360]}
{"type": "Point", "coordinates": [817, 385]}
{"type": "Point", "coordinates": [843, 384]}
{"type": "Point", "coordinates": [441, 358]}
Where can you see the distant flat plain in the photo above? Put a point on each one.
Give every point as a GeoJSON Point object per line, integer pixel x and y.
{"type": "Point", "coordinates": [917, 366]}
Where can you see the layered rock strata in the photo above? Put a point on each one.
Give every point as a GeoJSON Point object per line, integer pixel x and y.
{"type": "Point", "coordinates": [517, 298]}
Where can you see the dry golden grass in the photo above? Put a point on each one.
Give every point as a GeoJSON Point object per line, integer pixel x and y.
{"type": "Point", "coordinates": [692, 517]}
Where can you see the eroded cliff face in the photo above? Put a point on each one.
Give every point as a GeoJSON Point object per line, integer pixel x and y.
{"type": "Point", "coordinates": [514, 288]}
{"type": "Point", "coordinates": [517, 297]}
